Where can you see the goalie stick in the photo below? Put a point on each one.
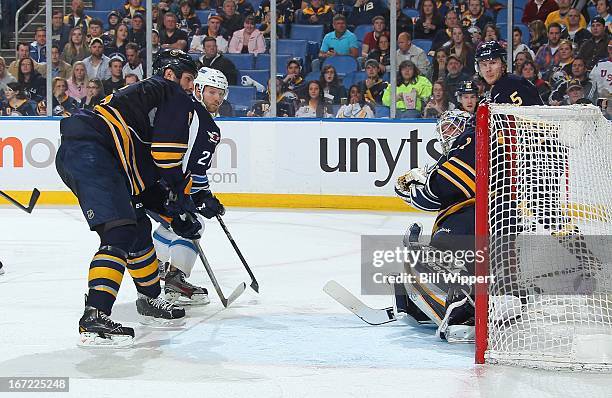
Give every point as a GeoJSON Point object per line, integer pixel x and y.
{"type": "Point", "coordinates": [372, 316]}
{"type": "Point", "coordinates": [31, 204]}
{"type": "Point", "coordinates": [254, 283]}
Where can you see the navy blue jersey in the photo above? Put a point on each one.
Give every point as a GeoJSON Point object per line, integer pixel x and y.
{"type": "Point", "coordinates": [204, 135]}
{"type": "Point", "coordinates": [450, 186]}
{"type": "Point", "coordinates": [146, 125]}
{"type": "Point", "coordinates": [512, 89]}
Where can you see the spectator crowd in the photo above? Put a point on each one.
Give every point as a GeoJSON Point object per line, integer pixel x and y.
{"type": "Point", "coordinates": [562, 46]}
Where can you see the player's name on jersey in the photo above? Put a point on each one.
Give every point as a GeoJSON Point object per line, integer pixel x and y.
{"type": "Point", "coordinates": [432, 278]}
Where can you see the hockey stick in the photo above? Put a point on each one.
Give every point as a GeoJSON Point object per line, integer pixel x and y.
{"type": "Point", "coordinates": [254, 284]}
{"type": "Point", "coordinates": [31, 204]}
{"type": "Point", "coordinates": [372, 316]}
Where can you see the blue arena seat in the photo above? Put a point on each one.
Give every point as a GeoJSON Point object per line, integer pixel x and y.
{"type": "Point", "coordinates": [262, 61]}
{"type": "Point", "coordinates": [344, 64]}
{"type": "Point", "coordinates": [503, 31]}
{"type": "Point", "coordinates": [261, 76]}
{"type": "Point", "coordinates": [502, 15]}
{"type": "Point", "coordinates": [241, 97]}
{"type": "Point", "coordinates": [314, 75]}
{"type": "Point", "coordinates": [382, 111]}
{"type": "Point", "coordinates": [423, 44]}
{"type": "Point", "coordinates": [241, 61]}
{"type": "Point", "coordinates": [361, 30]}
{"type": "Point", "coordinates": [307, 32]}
{"type": "Point", "coordinates": [107, 5]}
{"type": "Point", "coordinates": [102, 15]}
{"type": "Point", "coordinates": [296, 48]}
{"type": "Point", "coordinates": [411, 12]}
{"type": "Point", "coordinates": [353, 78]}
{"type": "Point", "coordinates": [203, 15]}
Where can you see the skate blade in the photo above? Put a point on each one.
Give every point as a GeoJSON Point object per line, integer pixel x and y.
{"type": "Point", "coordinates": [153, 322]}
{"type": "Point", "coordinates": [180, 300]}
{"type": "Point", "coordinates": [94, 340]}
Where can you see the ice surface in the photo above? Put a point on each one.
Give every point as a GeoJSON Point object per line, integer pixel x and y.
{"type": "Point", "coordinates": [292, 340]}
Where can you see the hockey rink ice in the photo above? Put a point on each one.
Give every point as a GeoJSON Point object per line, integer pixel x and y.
{"type": "Point", "coordinates": [291, 340]}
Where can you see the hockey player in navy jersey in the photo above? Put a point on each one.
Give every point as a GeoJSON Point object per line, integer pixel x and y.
{"type": "Point", "coordinates": [467, 97]}
{"type": "Point", "coordinates": [177, 255]}
{"type": "Point", "coordinates": [123, 157]}
{"type": "Point", "coordinates": [506, 88]}
{"type": "Point", "coordinates": [447, 188]}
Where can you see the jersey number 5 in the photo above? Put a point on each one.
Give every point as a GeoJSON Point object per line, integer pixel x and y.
{"type": "Point", "coordinates": [516, 99]}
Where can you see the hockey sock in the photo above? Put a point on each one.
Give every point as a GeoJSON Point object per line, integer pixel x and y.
{"type": "Point", "coordinates": [105, 274]}
{"type": "Point", "coordinates": [143, 268]}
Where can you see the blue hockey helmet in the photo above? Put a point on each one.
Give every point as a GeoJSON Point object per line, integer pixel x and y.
{"type": "Point", "coordinates": [490, 50]}
{"type": "Point", "coordinates": [466, 87]}
{"type": "Point", "coordinates": [177, 60]}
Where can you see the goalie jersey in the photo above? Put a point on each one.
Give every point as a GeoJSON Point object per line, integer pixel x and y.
{"type": "Point", "coordinates": [450, 188]}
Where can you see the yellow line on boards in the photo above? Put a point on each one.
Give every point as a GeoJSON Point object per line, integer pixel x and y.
{"type": "Point", "coordinates": [292, 201]}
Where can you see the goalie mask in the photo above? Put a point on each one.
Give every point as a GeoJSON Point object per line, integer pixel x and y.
{"type": "Point", "coordinates": [450, 126]}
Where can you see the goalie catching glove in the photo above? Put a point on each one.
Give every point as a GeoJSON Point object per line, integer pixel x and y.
{"type": "Point", "coordinates": [409, 181]}
{"type": "Point", "coordinates": [207, 204]}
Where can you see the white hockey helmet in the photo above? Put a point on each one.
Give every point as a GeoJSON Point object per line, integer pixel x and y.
{"type": "Point", "coordinates": [210, 77]}
{"type": "Point", "coordinates": [450, 126]}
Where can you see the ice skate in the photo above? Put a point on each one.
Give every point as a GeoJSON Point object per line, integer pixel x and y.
{"type": "Point", "coordinates": [159, 312]}
{"type": "Point", "coordinates": [179, 291]}
{"type": "Point", "coordinates": [96, 329]}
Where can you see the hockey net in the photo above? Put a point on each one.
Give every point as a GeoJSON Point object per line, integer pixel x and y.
{"type": "Point", "coordinates": [544, 218]}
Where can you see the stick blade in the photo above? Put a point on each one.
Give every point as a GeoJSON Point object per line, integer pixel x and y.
{"type": "Point", "coordinates": [255, 286]}
{"type": "Point", "coordinates": [372, 316]}
{"type": "Point", "coordinates": [33, 200]}
{"type": "Point", "coordinates": [235, 294]}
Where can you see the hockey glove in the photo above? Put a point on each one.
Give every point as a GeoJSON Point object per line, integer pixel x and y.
{"type": "Point", "coordinates": [414, 176]}
{"type": "Point", "coordinates": [187, 226]}
{"type": "Point", "coordinates": [178, 201]}
{"type": "Point", "coordinates": [207, 204]}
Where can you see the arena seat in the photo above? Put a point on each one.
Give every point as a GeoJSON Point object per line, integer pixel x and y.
{"type": "Point", "coordinates": [241, 61]}
{"type": "Point", "coordinates": [344, 64]}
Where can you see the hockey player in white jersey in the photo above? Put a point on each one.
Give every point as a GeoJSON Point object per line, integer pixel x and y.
{"type": "Point", "coordinates": [176, 255]}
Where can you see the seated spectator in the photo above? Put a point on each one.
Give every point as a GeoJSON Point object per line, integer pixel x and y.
{"type": "Point", "coordinates": [548, 56]}
{"type": "Point", "coordinates": [364, 10]}
{"type": "Point", "coordinates": [77, 17]}
{"type": "Point", "coordinates": [444, 35]}
{"type": "Point", "coordinates": [340, 41]}
{"type": "Point", "coordinates": [560, 16]}
{"type": "Point", "coordinates": [603, 10]}
{"type": "Point", "coordinates": [407, 51]}
{"type": "Point", "coordinates": [77, 83]}
{"type": "Point", "coordinates": [404, 22]}
{"type": "Point", "coordinates": [214, 31]}
{"type": "Point", "coordinates": [529, 70]}
{"type": "Point", "coordinates": [314, 106]}
{"type": "Point", "coordinates": [114, 19]}
{"type": "Point", "coordinates": [317, 13]}
{"type": "Point", "coordinates": [63, 104]}
{"type": "Point", "coordinates": [137, 33]}
{"type": "Point", "coordinates": [475, 15]}
{"type": "Point", "coordinates": [187, 19]}
{"type": "Point", "coordinates": [566, 57]}
{"type": "Point", "coordinates": [244, 7]}
{"type": "Point", "coordinates": [285, 12]}
{"type": "Point", "coordinates": [578, 73]}
{"type": "Point", "coordinates": [16, 102]}
{"type": "Point", "coordinates": [333, 90]}
{"type": "Point", "coordinates": [115, 81]}
{"type": "Point", "coordinates": [475, 36]}
{"type": "Point", "coordinates": [134, 63]}
{"type": "Point", "coordinates": [429, 21]}
{"type": "Point", "coordinates": [30, 81]}
{"type": "Point", "coordinates": [117, 46]}
{"type": "Point", "coordinates": [520, 59]}
{"type": "Point", "coordinates": [130, 8]}
{"type": "Point", "coordinates": [439, 65]}
{"type": "Point", "coordinates": [602, 74]}
{"type": "Point", "coordinates": [59, 32]}
{"type": "Point", "coordinates": [212, 58]}
{"type": "Point", "coordinates": [38, 48]}
{"type": "Point", "coordinates": [467, 97]}
{"type": "Point", "coordinates": [23, 51]}
{"type": "Point", "coordinates": [95, 94]}
{"type": "Point", "coordinates": [131, 78]}
{"type": "Point", "coordinates": [170, 36]}
{"type": "Point", "coordinates": [96, 30]}
{"type": "Point", "coordinates": [286, 103]}
{"type": "Point", "coordinates": [382, 54]}
{"type": "Point", "coordinates": [248, 40]}
{"type": "Point", "coordinates": [59, 67]}
{"type": "Point", "coordinates": [595, 48]}
{"type": "Point", "coordinates": [462, 49]}
{"type": "Point", "coordinates": [373, 86]}
{"type": "Point", "coordinates": [370, 40]}
{"type": "Point", "coordinates": [5, 76]}
{"type": "Point", "coordinates": [76, 49]}
{"type": "Point", "coordinates": [357, 107]}
{"type": "Point", "coordinates": [537, 35]}
{"type": "Point", "coordinates": [412, 90]}
{"type": "Point", "coordinates": [574, 94]}
{"type": "Point", "coordinates": [438, 102]}
{"type": "Point", "coordinates": [293, 80]}
{"type": "Point", "coordinates": [455, 75]}
{"type": "Point", "coordinates": [491, 33]}
{"type": "Point", "coordinates": [232, 20]}
{"type": "Point", "coordinates": [154, 43]}
{"type": "Point", "coordinates": [96, 64]}
{"type": "Point", "coordinates": [575, 32]}
{"type": "Point", "coordinates": [517, 44]}
{"type": "Point", "coordinates": [537, 10]}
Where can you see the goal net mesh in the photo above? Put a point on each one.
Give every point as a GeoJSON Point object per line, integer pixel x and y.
{"type": "Point", "coordinates": [550, 237]}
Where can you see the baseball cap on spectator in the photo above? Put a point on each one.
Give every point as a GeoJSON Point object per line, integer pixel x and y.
{"type": "Point", "coordinates": [455, 57]}
{"type": "Point", "coordinates": [372, 62]}
{"type": "Point", "coordinates": [113, 13]}
{"type": "Point", "coordinates": [138, 15]}
{"type": "Point", "coordinates": [216, 17]}
{"type": "Point", "coordinates": [574, 83]}
{"type": "Point", "coordinates": [474, 29]}
{"type": "Point", "coordinates": [96, 40]}
{"type": "Point", "coordinates": [598, 19]}
{"type": "Point", "coordinates": [378, 17]}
